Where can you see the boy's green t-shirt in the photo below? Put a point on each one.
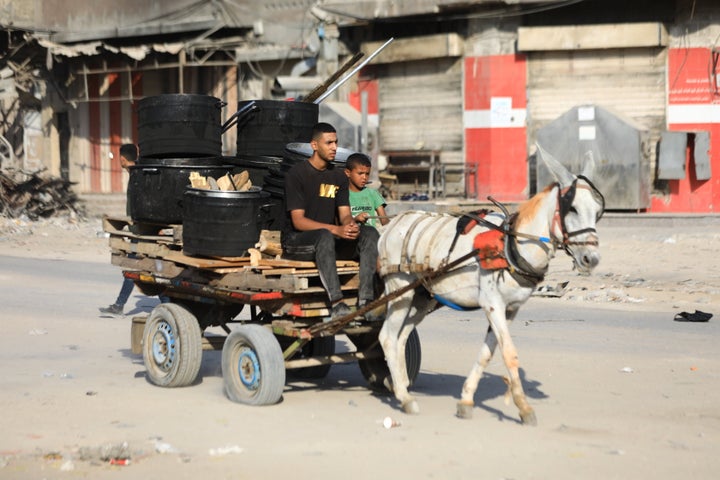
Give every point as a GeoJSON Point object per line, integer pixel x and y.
{"type": "Point", "coordinates": [366, 200]}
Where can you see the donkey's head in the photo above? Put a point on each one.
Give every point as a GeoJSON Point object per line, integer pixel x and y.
{"type": "Point", "coordinates": [580, 206]}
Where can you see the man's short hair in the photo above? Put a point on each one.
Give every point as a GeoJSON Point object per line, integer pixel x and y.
{"type": "Point", "coordinates": [320, 128]}
{"type": "Point", "coordinates": [357, 160]}
{"type": "Point", "coordinates": [129, 151]}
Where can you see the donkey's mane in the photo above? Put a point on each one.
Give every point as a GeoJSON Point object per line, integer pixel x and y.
{"type": "Point", "coordinates": [528, 209]}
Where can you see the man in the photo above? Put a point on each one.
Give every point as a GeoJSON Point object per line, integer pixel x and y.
{"type": "Point", "coordinates": [319, 224]}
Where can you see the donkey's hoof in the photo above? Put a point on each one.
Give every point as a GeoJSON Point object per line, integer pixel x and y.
{"type": "Point", "coordinates": [411, 407]}
{"type": "Point", "coordinates": [528, 418]}
{"type": "Point", "coordinates": [465, 410]}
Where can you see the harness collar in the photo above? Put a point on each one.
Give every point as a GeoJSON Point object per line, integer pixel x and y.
{"type": "Point", "coordinates": [520, 269]}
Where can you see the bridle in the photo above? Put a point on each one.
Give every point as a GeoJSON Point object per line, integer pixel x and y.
{"type": "Point", "coordinates": [566, 197]}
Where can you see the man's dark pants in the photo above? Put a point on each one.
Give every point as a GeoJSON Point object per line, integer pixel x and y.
{"type": "Point", "coordinates": [324, 249]}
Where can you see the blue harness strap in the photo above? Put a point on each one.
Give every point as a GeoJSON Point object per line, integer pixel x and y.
{"type": "Point", "coordinates": [454, 306]}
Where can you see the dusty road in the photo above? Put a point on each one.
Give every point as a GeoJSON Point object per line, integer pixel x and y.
{"type": "Point", "coordinates": [620, 389]}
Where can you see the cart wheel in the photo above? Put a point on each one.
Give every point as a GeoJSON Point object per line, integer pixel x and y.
{"type": "Point", "coordinates": [172, 346]}
{"type": "Point", "coordinates": [317, 347]}
{"type": "Point", "coordinates": [253, 366]}
{"type": "Point", "coordinates": [377, 373]}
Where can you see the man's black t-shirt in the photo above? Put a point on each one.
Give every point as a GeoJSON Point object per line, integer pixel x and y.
{"type": "Point", "coordinates": [318, 192]}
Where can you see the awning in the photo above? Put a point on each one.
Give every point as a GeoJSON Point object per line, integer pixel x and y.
{"type": "Point", "coordinates": [138, 52]}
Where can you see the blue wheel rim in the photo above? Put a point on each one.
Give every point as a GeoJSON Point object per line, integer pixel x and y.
{"type": "Point", "coordinates": [249, 368]}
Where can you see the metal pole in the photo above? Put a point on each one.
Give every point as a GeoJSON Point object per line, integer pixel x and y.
{"type": "Point", "coordinates": [364, 121]}
{"type": "Point", "coordinates": [353, 72]}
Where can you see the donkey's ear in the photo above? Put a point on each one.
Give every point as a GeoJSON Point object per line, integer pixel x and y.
{"type": "Point", "coordinates": [564, 176]}
{"type": "Point", "coordinates": [588, 165]}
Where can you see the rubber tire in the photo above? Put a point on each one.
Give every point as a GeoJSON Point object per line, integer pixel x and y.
{"type": "Point", "coordinates": [172, 346]}
{"type": "Point", "coordinates": [317, 347]}
{"type": "Point", "coordinates": [375, 370]}
{"type": "Point", "coordinates": [262, 363]}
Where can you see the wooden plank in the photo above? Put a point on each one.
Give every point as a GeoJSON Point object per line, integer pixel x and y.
{"type": "Point", "coordinates": [249, 280]}
{"type": "Point", "coordinates": [199, 262]}
{"type": "Point", "coordinates": [301, 264]}
{"type": "Point", "coordinates": [279, 271]}
{"type": "Point", "coordinates": [168, 269]}
{"type": "Point", "coordinates": [285, 263]}
{"type": "Point", "coordinates": [141, 247]}
{"type": "Point", "coordinates": [314, 271]}
{"type": "Point", "coordinates": [115, 224]}
{"type": "Point", "coordinates": [243, 260]}
{"type": "Point", "coordinates": [225, 270]}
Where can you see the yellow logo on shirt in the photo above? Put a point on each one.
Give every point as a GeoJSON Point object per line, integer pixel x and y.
{"type": "Point", "coordinates": [328, 190]}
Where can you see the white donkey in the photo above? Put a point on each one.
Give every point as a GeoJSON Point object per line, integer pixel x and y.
{"type": "Point", "coordinates": [497, 279]}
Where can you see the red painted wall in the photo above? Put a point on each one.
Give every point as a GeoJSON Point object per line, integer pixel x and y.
{"type": "Point", "coordinates": [94, 136]}
{"type": "Point", "coordinates": [113, 118]}
{"type": "Point", "coordinates": [693, 105]}
{"type": "Point", "coordinates": [371, 87]}
{"type": "Point", "coordinates": [115, 113]}
{"type": "Point", "coordinates": [494, 120]}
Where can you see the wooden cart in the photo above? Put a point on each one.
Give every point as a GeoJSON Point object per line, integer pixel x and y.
{"type": "Point", "coordinates": [288, 327]}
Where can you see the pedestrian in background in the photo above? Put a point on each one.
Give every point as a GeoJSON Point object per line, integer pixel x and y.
{"type": "Point", "coordinates": [128, 157]}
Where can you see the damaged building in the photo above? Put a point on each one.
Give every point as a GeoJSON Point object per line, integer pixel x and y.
{"type": "Point", "coordinates": [453, 107]}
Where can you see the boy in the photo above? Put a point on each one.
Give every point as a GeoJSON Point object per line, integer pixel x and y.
{"type": "Point", "coordinates": [367, 206]}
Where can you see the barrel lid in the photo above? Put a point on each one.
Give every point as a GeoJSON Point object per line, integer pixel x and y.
{"type": "Point", "coordinates": [189, 160]}
{"type": "Point", "coordinates": [260, 161]}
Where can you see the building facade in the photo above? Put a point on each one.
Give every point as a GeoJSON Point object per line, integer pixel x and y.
{"type": "Point", "coordinates": [458, 100]}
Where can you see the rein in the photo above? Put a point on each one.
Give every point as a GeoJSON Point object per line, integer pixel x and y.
{"type": "Point", "coordinates": [334, 326]}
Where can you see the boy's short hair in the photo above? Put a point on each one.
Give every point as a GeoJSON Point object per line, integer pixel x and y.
{"type": "Point", "coordinates": [320, 128]}
{"type": "Point", "coordinates": [129, 151]}
{"type": "Point", "coordinates": [357, 160]}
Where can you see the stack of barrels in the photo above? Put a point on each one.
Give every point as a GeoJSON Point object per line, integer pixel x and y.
{"type": "Point", "coordinates": [177, 134]}
{"type": "Point", "coordinates": [262, 137]}
{"type": "Point", "coordinates": [181, 133]}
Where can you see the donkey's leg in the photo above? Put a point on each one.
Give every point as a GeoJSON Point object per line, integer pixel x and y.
{"type": "Point", "coordinates": [467, 402]}
{"type": "Point", "coordinates": [407, 309]}
{"type": "Point", "coordinates": [418, 310]}
{"type": "Point", "coordinates": [499, 321]}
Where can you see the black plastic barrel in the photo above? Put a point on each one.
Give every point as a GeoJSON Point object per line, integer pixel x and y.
{"type": "Point", "coordinates": [179, 124]}
{"type": "Point", "coordinates": [223, 223]}
{"type": "Point", "coordinates": [155, 191]}
{"type": "Point", "coordinates": [274, 123]}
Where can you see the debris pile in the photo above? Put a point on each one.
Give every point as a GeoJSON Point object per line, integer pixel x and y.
{"type": "Point", "coordinates": [36, 196]}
